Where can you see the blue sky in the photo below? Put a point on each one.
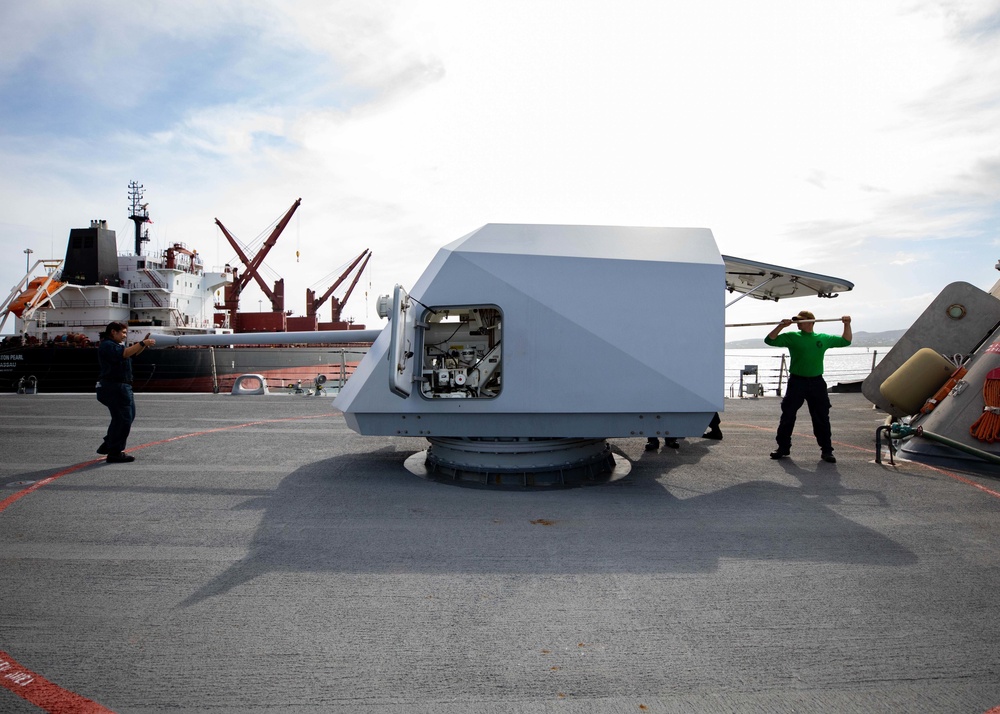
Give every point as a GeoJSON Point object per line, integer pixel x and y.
{"type": "Point", "coordinates": [855, 139]}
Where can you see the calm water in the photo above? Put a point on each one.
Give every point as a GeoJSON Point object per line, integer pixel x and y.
{"type": "Point", "coordinates": [843, 364]}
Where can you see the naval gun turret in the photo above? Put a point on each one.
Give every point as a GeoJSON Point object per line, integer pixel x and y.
{"type": "Point", "coordinates": [522, 348]}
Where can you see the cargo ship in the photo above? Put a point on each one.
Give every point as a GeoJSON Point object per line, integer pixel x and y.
{"type": "Point", "coordinates": [61, 307]}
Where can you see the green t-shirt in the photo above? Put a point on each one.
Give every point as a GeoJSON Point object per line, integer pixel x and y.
{"type": "Point", "coordinates": [806, 350]}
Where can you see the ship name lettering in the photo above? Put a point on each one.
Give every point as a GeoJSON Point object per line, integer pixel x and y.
{"type": "Point", "coordinates": [20, 678]}
{"type": "Point", "coordinates": [11, 357]}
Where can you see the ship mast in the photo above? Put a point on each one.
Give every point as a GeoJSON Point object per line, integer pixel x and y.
{"type": "Point", "coordinates": [138, 215]}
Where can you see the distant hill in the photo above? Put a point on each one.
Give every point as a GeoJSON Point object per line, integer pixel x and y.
{"type": "Point", "coordinates": [861, 339]}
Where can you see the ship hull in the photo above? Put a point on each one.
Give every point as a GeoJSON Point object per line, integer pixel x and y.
{"type": "Point", "coordinates": [193, 369]}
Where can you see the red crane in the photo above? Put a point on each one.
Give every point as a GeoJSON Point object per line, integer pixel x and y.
{"type": "Point", "coordinates": [232, 292]}
{"type": "Point", "coordinates": [313, 304]}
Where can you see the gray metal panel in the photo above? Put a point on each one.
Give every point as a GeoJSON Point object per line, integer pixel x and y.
{"type": "Point", "coordinates": [553, 425]}
{"type": "Point", "coordinates": [934, 329]}
{"type": "Point", "coordinates": [681, 245]}
{"type": "Point", "coordinates": [598, 321]}
{"type": "Point", "coordinates": [775, 282]}
{"type": "Point", "coordinates": [402, 343]}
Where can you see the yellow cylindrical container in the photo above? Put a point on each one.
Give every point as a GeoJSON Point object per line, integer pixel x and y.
{"type": "Point", "coordinates": [916, 381]}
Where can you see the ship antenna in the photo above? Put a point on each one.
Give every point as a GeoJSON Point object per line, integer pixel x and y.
{"type": "Point", "coordinates": [138, 215]}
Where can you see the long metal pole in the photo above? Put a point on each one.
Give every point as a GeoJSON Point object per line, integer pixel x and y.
{"type": "Point", "coordinates": [215, 374]}
{"type": "Point", "coordinates": [979, 453]}
{"type": "Point", "coordinates": [268, 338]}
{"type": "Point", "coordinates": [775, 322]}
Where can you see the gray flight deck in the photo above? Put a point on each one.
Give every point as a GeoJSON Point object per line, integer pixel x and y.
{"type": "Point", "coordinates": [261, 557]}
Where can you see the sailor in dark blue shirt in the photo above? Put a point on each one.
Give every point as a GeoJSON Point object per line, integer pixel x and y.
{"type": "Point", "coordinates": [114, 388]}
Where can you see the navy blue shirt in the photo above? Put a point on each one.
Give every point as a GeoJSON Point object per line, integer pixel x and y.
{"type": "Point", "coordinates": [114, 366]}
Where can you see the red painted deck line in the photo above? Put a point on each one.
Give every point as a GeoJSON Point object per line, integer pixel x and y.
{"type": "Point", "coordinates": [44, 482]}
{"type": "Point", "coordinates": [945, 472]}
{"type": "Point", "coordinates": [227, 428]}
{"type": "Point", "coordinates": [37, 689]}
{"type": "Point", "coordinates": [41, 692]}
{"type": "Point", "coordinates": [4, 504]}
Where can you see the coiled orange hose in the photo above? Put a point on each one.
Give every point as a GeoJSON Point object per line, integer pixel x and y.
{"type": "Point", "coordinates": [987, 426]}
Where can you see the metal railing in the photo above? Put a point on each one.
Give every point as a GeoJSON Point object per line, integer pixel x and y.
{"type": "Point", "coordinates": [770, 373]}
{"type": "Point", "coordinates": [334, 380]}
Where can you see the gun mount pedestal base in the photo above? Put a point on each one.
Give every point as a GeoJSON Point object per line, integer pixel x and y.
{"type": "Point", "coordinates": [518, 462]}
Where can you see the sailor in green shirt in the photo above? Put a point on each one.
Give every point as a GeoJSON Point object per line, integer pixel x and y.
{"type": "Point", "coordinates": [805, 380]}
